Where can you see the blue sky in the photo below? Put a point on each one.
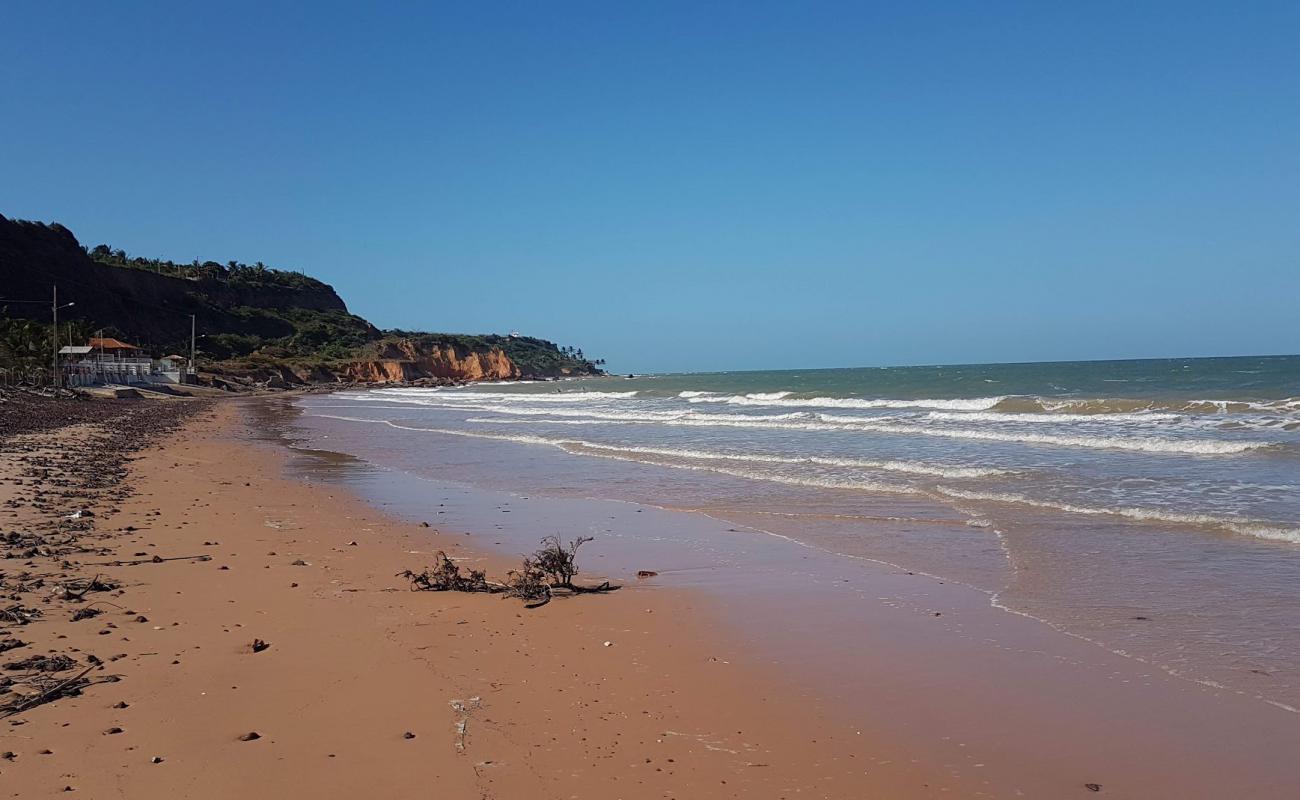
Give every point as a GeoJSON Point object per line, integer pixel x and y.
{"type": "Point", "coordinates": [697, 186]}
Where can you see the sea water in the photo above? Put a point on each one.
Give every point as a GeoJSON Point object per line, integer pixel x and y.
{"type": "Point", "coordinates": [1152, 507]}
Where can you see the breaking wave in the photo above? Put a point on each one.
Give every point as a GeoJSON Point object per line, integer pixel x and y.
{"type": "Point", "coordinates": [783, 399]}
{"type": "Point", "coordinates": [832, 422]}
{"type": "Point", "coordinates": [1260, 529]}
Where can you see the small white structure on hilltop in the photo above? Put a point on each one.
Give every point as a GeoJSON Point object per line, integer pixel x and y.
{"type": "Point", "coordinates": [516, 335]}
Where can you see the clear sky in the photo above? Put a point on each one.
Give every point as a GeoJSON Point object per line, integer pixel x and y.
{"type": "Point", "coordinates": [696, 186]}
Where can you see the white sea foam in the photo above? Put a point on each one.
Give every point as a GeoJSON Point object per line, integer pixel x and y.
{"type": "Point", "coordinates": [1145, 444]}
{"type": "Point", "coordinates": [912, 467]}
{"type": "Point", "coordinates": [833, 422]}
{"type": "Point", "coordinates": [619, 454]}
{"type": "Point", "coordinates": [784, 400]}
{"type": "Point", "coordinates": [521, 397]}
{"type": "Point", "coordinates": [1258, 528]}
{"type": "Point", "coordinates": [1030, 417]}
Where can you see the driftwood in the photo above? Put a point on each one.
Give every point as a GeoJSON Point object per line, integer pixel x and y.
{"type": "Point", "coordinates": [71, 686]}
{"type": "Point", "coordinates": [548, 570]}
{"type": "Point", "coordinates": [78, 589]}
{"type": "Point", "coordinates": [19, 615]}
{"type": "Point", "coordinates": [445, 576]}
{"type": "Point", "coordinates": [153, 560]}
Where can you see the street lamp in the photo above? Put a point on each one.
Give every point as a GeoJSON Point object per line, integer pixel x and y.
{"type": "Point", "coordinates": [55, 310]}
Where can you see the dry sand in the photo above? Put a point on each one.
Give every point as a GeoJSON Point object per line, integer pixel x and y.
{"type": "Point", "coordinates": [368, 689]}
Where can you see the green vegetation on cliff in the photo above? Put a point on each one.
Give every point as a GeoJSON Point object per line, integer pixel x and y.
{"type": "Point", "coordinates": [245, 315]}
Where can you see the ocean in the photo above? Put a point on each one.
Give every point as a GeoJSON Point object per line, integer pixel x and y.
{"type": "Point", "coordinates": [1151, 507]}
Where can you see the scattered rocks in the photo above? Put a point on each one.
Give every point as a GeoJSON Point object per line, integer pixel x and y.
{"type": "Point", "coordinates": [250, 736]}
{"type": "Point", "coordinates": [258, 645]}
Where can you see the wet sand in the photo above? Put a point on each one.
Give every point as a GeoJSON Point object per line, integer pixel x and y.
{"type": "Point", "coordinates": [498, 701]}
{"type": "Point", "coordinates": [996, 703]}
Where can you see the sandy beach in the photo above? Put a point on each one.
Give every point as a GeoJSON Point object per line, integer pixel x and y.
{"type": "Point", "coordinates": [366, 687]}
{"type": "Point", "coordinates": [224, 619]}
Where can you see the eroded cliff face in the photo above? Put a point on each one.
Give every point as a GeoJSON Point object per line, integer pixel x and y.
{"type": "Point", "coordinates": [405, 361]}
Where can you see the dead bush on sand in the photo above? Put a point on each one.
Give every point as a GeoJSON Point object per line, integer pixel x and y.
{"type": "Point", "coordinates": [549, 568]}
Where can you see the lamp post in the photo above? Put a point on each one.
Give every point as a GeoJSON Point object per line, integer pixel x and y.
{"type": "Point", "coordinates": [54, 306]}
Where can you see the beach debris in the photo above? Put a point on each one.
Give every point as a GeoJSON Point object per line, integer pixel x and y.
{"type": "Point", "coordinates": [528, 583]}
{"type": "Point", "coordinates": [646, 573]}
{"type": "Point", "coordinates": [250, 736]}
{"type": "Point", "coordinates": [54, 663]}
{"type": "Point", "coordinates": [408, 735]}
{"type": "Point", "coordinates": [424, 524]}
{"type": "Point", "coordinates": [299, 563]}
{"type": "Point", "coordinates": [11, 644]}
{"type": "Point", "coordinates": [85, 613]}
{"type": "Point", "coordinates": [113, 730]}
{"type": "Point", "coordinates": [40, 689]}
{"type": "Point", "coordinates": [557, 562]}
{"type": "Point", "coordinates": [463, 708]}
{"type": "Point", "coordinates": [257, 645]}
{"type": "Point", "coordinates": [19, 615]}
{"type": "Point", "coordinates": [445, 576]}
{"type": "Point", "coordinates": [550, 568]}
{"type": "Point", "coordinates": [1092, 787]}
{"type": "Point", "coordinates": [608, 643]}
{"type": "Point", "coordinates": [156, 760]}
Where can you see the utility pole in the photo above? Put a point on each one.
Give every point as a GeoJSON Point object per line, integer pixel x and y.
{"type": "Point", "coordinates": [55, 307]}
{"type": "Point", "coordinates": [192, 344]}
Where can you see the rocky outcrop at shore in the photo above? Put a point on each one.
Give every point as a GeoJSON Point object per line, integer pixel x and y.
{"type": "Point", "coordinates": [406, 361]}
{"type": "Point", "coordinates": [400, 362]}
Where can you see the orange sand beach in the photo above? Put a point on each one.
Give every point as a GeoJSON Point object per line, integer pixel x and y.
{"type": "Point", "coordinates": [368, 689]}
{"type": "Point", "coordinates": [205, 543]}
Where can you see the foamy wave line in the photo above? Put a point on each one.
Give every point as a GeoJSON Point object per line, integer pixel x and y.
{"type": "Point", "coordinates": [525, 397]}
{"type": "Point", "coordinates": [1003, 416]}
{"type": "Point", "coordinates": [1256, 528]}
{"type": "Point", "coordinates": [834, 423]}
{"type": "Point", "coordinates": [912, 467]}
{"type": "Point", "coordinates": [783, 399]}
{"type": "Point", "coordinates": [561, 444]}
{"type": "Point", "coordinates": [1139, 444]}
{"type": "Point", "coordinates": [632, 416]}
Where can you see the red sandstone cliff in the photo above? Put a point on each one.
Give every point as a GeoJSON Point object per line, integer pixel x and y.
{"type": "Point", "coordinates": [406, 361]}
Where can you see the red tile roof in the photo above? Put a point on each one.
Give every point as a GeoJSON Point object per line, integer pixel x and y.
{"type": "Point", "coordinates": [111, 344]}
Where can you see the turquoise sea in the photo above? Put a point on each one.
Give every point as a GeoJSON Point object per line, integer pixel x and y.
{"type": "Point", "coordinates": [1152, 507]}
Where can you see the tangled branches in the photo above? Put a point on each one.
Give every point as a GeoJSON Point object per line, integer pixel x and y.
{"type": "Point", "coordinates": [549, 568]}
{"type": "Point", "coordinates": [445, 576]}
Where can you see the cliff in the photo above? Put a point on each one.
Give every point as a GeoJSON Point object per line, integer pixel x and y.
{"type": "Point", "coordinates": [408, 360]}
{"type": "Point", "coordinates": [151, 308]}
{"type": "Point", "coordinates": [255, 324]}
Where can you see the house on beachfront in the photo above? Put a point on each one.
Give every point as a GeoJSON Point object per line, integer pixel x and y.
{"type": "Point", "coordinates": [105, 360]}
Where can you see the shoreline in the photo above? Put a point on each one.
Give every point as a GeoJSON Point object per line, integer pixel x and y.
{"type": "Point", "coordinates": [356, 662]}
{"type": "Point", "coordinates": [1002, 703]}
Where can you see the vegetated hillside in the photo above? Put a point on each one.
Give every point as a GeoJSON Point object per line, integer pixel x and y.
{"type": "Point", "coordinates": [250, 318]}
